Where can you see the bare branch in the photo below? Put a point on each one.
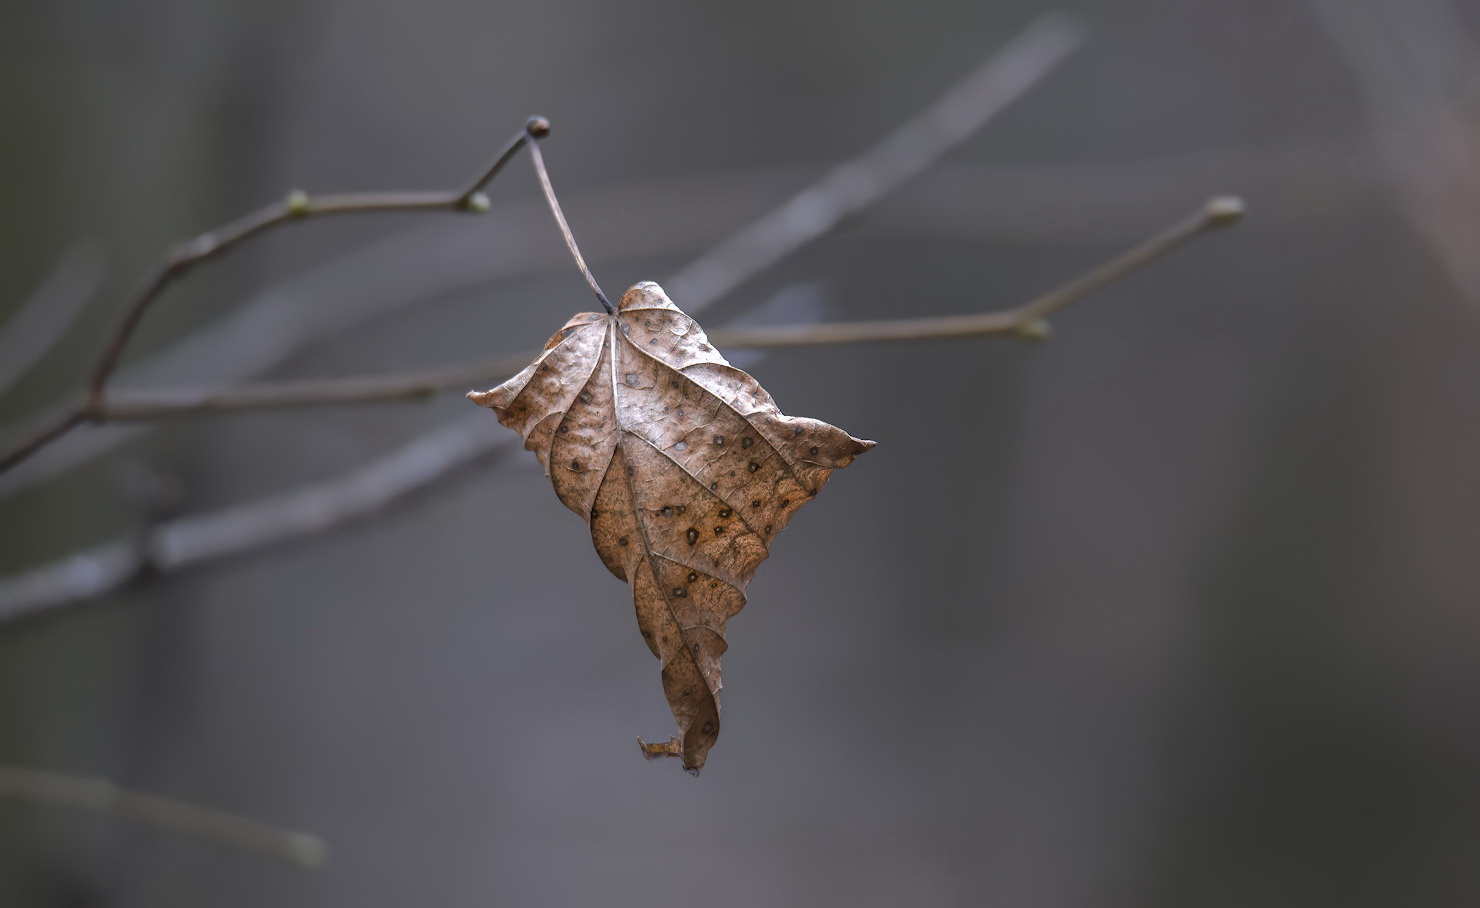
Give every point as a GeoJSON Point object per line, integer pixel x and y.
{"type": "Point", "coordinates": [845, 191]}
{"type": "Point", "coordinates": [1028, 320]}
{"type": "Point", "coordinates": [43, 319]}
{"type": "Point", "coordinates": [1031, 204]}
{"type": "Point", "coordinates": [50, 431]}
{"type": "Point", "coordinates": [440, 453]}
{"type": "Point", "coordinates": [177, 817]}
{"type": "Point", "coordinates": [296, 207]}
{"type": "Point", "coordinates": [311, 509]}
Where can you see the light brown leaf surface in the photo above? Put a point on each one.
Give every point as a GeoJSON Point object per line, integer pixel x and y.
{"type": "Point", "coordinates": [683, 468]}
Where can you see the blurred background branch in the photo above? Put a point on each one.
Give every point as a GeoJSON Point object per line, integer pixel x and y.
{"type": "Point", "coordinates": [165, 814]}
{"type": "Point", "coordinates": [1419, 71]}
{"type": "Point", "coordinates": [41, 321]}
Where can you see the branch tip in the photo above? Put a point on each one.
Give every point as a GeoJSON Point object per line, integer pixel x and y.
{"type": "Point", "coordinates": [1037, 331]}
{"type": "Point", "coordinates": [1224, 210]}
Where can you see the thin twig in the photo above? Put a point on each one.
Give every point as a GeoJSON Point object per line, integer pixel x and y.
{"type": "Point", "coordinates": [850, 188]}
{"type": "Point", "coordinates": [1028, 320]}
{"type": "Point", "coordinates": [297, 206]}
{"type": "Point", "coordinates": [807, 216]}
{"type": "Point", "coordinates": [1029, 205]}
{"type": "Point", "coordinates": [425, 461]}
{"type": "Point", "coordinates": [177, 817]}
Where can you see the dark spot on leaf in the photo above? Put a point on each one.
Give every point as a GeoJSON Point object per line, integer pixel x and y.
{"type": "Point", "coordinates": [631, 379]}
{"type": "Point", "coordinates": [752, 466]}
{"type": "Point", "coordinates": [575, 465]}
{"type": "Point", "coordinates": [713, 486]}
{"type": "Point", "coordinates": [708, 728]}
{"type": "Point", "coordinates": [719, 531]}
{"type": "Point", "coordinates": [756, 503]}
{"type": "Point", "coordinates": [622, 541]}
{"type": "Point", "coordinates": [682, 508]}
{"type": "Point", "coordinates": [667, 510]}
{"type": "Point", "coordinates": [719, 439]}
{"type": "Point", "coordinates": [678, 592]}
{"type": "Point", "coordinates": [796, 430]}
{"type": "Point", "coordinates": [725, 512]}
{"type": "Point", "coordinates": [693, 535]}
{"type": "Point", "coordinates": [813, 451]}
{"type": "Point", "coordinates": [682, 445]}
{"type": "Point", "coordinates": [748, 443]}
{"type": "Point", "coordinates": [584, 397]}
{"type": "Point", "coordinates": [564, 430]}
{"type": "Point", "coordinates": [693, 575]}
{"type": "Point", "coordinates": [785, 502]}
{"type": "Point", "coordinates": [680, 411]}
{"type": "Point", "coordinates": [631, 469]}
{"type": "Point", "coordinates": [767, 530]}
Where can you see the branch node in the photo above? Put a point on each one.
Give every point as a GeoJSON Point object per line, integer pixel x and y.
{"type": "Point", "coordinates": [1224, 210]}
{"type": "Point", "coordinates": [297, 203]}
{"type": "Point", "coordinates": [537, 127]}
{"type": "Point", "coordinates": [1037, 331]}
{"type": "Point", "coordinates": [477, 203]}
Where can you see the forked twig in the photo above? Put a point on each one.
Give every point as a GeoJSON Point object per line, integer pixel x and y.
{"type": "Point", "coordinates": [297, 206]}
{"type": "Point", "coordinates": [429, 458]}
{"type": "Point", "coordinates": [1029, 321]}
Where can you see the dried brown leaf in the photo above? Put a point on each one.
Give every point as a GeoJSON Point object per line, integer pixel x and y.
{"type": "Point", "coordinates": [683, 468]}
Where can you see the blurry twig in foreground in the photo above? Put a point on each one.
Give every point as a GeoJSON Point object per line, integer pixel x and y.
{"type": "Point", "coordinates": [1028, 321]}
{"type": "Point", "coordinates": [42, 320]}
{"type": "Point", "coordinates": [58, 790]}
{"type": "Point", "coordinates": [297, 206]}
{"type": "Point", "coordinates": [305, 511]}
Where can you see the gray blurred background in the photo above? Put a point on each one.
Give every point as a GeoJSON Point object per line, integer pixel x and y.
{"type": "Point", "coordinates": [1177, 609]}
